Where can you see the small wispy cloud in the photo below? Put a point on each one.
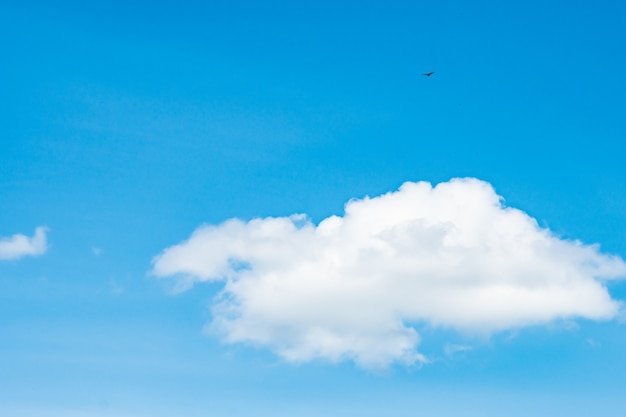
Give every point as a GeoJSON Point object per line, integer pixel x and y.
{"type": "Point", "coordinates": [18, 245]}
{"type": "Point", "coordinates": [450, 349]}
{"type": "Point", "coordinates": [115, 288]}
{"type": "Point", "coordinates": [350, 287]}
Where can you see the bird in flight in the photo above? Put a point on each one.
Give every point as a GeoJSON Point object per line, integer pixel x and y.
{"type": "Point", "coordinates": [428, 74]}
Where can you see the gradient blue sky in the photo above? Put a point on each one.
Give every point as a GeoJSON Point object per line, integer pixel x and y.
{"type": "Point", "coordinates": [124, 127]}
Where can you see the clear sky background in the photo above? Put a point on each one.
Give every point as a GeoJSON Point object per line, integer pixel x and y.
{"type": "Point", "coordinates": [125, 127]}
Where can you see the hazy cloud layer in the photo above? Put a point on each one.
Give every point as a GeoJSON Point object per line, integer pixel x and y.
{"type": "Point", "coordinates": [18, 245]}
{"type": "Point", "coordinates": [353, 287]}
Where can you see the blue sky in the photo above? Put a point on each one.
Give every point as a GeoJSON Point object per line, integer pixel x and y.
{"type": "Point", "coordinates": [127, 127]}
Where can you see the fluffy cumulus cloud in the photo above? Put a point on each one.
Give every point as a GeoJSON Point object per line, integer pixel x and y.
{"type": "Point", "coordinates": [18, 245]}
{"type": "Point", "coordinates": [356, 286]}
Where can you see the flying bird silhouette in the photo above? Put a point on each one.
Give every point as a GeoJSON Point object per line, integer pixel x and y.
{"type": "Point", "coordinates": [428, 74]}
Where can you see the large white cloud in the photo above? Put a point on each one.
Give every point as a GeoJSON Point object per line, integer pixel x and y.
{"type": "Point", "coordinates": [354, 287]}
{"type": "Point", "coordinates": [18, 245]}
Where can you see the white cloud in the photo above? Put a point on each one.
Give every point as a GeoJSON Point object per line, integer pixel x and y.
{"type": "Point", "coordinates": [18, 245]}
{"type": "Point", "coordinates": [450, 349]}
{"type": "Point", "coordinates": [354, 287]}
